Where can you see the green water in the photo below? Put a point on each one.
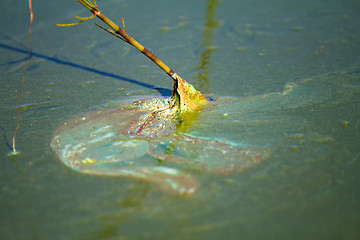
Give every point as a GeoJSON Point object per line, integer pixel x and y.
{"type": "Point", "coordinates": [307, 189]}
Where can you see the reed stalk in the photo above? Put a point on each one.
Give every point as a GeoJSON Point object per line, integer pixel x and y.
{"type": "Point", "coordinates": [185, 94]}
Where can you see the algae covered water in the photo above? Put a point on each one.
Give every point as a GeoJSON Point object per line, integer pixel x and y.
{"type": "Point", "coordinates": [287, 73]}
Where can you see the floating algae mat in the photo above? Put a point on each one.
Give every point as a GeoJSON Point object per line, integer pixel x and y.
{"type": "Point", "coordinates": [126, 142]}
{"type": "Point", "coordinates": [130, 141]}
{"type": "Point", "coordinates": [118, 142]}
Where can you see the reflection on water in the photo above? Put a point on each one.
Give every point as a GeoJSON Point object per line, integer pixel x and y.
{"type": "Point", "coordinates": [203, 82]}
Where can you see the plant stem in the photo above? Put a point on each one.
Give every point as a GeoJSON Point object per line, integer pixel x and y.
{"type": "Point", "coordinates": [127, 37]}
{"type": "Point", "coordinates": [14, 152]}
{"type": "Point", "coordinates": [184, 94]}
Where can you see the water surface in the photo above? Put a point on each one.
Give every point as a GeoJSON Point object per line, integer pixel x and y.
{"type": "Point", "coordinates": [250, 50]}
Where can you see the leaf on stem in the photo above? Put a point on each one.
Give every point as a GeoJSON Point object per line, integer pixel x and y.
{"type": "Point", "coordinates": [88, 4]}
{"type": "Point", "coordinates": [112, 33]}
{"type": "Point", "coordinates": [83, 19]}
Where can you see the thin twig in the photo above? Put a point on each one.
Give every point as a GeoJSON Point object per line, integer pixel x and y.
{"type": "Point", "coordinates": [111, 32]}
{"type": "Point", "coordinates": [14, 152]}
{"type": "Point", "coordinates": [94, 9]}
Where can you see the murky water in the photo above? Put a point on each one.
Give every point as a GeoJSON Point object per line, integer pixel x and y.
{"type": "Point", "coordinates": [248, 50]}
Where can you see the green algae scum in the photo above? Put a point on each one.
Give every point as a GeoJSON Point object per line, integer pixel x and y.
{"type": "Point", "coordinates": [127, 142]}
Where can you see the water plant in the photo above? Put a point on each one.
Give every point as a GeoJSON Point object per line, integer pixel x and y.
{"type": "Point", "coordinates": [14, 152]}
{"type": "Point", "coordinates": [184, 96]}
{"type": "Point", "coordinates": [124, 142]}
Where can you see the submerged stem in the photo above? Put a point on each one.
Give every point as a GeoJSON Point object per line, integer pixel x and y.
{"type": "Point", "coordinates": [14, 152]}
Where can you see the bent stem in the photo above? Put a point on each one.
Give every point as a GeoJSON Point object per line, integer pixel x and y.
{"type": "Point", "coordinates": [14, 152]}
{"type": "Point", "coordinates": [184, 94]}
{"type": "Point", "coordinates": [94, 9]}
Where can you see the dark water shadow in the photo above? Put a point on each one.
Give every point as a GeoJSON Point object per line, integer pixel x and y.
{"type": "Point", "coordinates": [163, 91]}
{"type": "Point", "coordinates": [5, 138]}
